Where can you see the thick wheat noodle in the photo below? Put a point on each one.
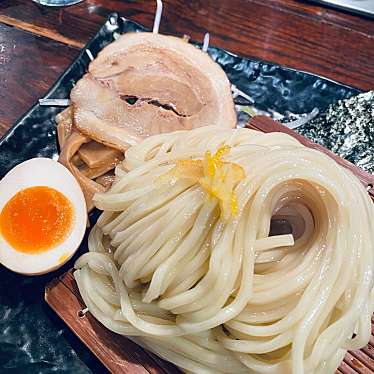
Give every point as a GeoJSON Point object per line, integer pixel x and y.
{"type": "Point", "coordinates": [212, 294]}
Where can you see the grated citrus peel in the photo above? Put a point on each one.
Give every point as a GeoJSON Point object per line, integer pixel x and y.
{"type": "Point", "coordinates": [217, 177]}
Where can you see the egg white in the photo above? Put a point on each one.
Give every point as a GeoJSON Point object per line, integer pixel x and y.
{"type": "Point", "coordinates": [49, 173]}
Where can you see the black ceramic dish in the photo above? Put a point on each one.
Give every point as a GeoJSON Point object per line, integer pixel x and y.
{"type": "Point", "coordinates": [32, 339]}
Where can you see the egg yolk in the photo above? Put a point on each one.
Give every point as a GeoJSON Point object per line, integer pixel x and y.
{"type": "Point", "coordinates": [36, 219]}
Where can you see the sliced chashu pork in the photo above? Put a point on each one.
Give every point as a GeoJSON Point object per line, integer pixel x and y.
{"type": "Point", "coordinates": [176, 86]}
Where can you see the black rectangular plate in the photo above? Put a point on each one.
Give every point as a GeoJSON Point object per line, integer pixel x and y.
{"type": "Point", "coordinates": [32, 338]}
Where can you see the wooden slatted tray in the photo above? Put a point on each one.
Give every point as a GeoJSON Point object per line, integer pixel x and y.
{"type": "Point", "coordinates": [120, 355]}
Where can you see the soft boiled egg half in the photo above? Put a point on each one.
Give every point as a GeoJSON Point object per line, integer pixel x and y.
{"type": "Point", "coordinates": [43, 217]}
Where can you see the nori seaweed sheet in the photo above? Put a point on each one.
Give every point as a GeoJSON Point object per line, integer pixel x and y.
{"type": "Point", "coordinates": [347, 129]}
